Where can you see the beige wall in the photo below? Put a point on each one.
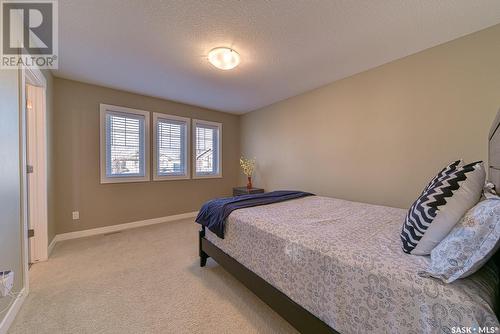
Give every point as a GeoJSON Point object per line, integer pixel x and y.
{"type": "Point", "coordinates": [379, 136]}
{"type": "Point", "coordinates": [374, 137]}
{"type": "Point", "coordinates": [10, 190]}
{"type": "Point", "coordinates": [76, 162]}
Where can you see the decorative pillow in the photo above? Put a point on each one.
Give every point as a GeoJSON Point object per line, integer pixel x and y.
{"type": "Point", "coordinates": [438, 209]}
{"type": "Point", "coordinates": [470, 244]}
{"type": "Point", "coordinates": [443, 173]}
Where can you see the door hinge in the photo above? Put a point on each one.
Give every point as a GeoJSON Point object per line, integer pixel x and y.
{"type": "Point", "coordinates": [31, 233]}
{"type": "Point", "coordinates": [29, 169]}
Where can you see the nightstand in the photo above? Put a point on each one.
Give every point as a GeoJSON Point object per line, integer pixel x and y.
{"type": "Point", "coordinates": [238, 191]}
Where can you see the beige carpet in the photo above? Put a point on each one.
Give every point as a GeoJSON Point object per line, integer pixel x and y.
{"type": "Point", "coordinates": [145, 280]}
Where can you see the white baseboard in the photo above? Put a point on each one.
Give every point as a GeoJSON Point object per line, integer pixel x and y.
{"type": "Point", "coordinates": [12, 312]}
{"type": "Point", "coordinates": [119, 227]}
{"type": "Point", "coordinates": [51, 246]}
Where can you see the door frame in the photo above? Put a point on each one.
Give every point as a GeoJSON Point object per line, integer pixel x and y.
{"type": "Point", "coordinates": [39, 209]}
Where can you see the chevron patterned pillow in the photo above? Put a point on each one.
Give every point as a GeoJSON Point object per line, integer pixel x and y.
{"type": "Point", "coordinates": [443, 173]}
{"type": "Point", "coordinates": [441, 206]}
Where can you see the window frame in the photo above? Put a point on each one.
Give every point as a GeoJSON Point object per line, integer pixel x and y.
{"type": "Point", "coordinates": [187, 150]}
{"type": "Point", "coordinates": [104, 109]}
{"type": "Point", "coordinates": [219, 150]}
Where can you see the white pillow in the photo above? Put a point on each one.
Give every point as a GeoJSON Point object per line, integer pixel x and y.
{"type": "Point", "coordinates": [438, 209]}
{"type": "Point", "coordinates": [469, 245]}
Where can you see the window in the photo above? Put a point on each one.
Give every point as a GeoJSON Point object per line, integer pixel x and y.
{"type": "Point", "coordinates": [124, 144]}
{"type": "Point", "coordinates": [208, 154]}
{"type": "Point", "coordinates": [170, 147]}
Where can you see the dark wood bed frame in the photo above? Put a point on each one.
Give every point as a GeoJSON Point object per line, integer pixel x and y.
{"type": "Point", "coordinates": [300, 318]}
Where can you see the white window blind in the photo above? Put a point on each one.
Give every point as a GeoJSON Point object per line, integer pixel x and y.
{"type": "Point", "coordinates": [207, 146]}
{"type": "Point", "coordinates": [171, 146]}
{"type": "Point", "coordinates": [125, 151]}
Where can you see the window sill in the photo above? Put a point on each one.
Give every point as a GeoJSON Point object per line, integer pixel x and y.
{"type": "Point", "coordinates": [109, 180]}
{"type": "Point", "coordinates": [219, 176]}
{"type": "Point", "coordinates": [171, 178]}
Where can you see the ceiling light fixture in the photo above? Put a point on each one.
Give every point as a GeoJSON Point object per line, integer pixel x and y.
{"type": "Point", "coordinates": [224, 58]}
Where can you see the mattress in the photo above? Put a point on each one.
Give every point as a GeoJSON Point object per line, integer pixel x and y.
{"type": "Point", "coordinates": [343, 262]}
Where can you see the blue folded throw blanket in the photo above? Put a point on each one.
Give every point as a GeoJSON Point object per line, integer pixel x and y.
{"type": "Point", "coordinates": [213, 213]}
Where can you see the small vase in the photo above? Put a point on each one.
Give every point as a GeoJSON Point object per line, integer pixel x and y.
{"type": "Point", "coordinates": [249, 184]}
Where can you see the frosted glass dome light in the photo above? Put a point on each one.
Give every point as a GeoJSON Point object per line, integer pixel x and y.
{"type": "Point", "coordinates": [224, 58]}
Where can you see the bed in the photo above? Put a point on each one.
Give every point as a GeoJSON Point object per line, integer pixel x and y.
{"type": "Point", "coordinates": [332, 266]}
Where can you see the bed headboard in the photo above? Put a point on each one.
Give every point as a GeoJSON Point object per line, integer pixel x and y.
{"type": "Point", "coordinates": [494, 153]}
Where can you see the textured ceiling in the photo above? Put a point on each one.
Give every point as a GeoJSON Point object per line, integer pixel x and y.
{"type": "Point", "coordinates": [159, 48]}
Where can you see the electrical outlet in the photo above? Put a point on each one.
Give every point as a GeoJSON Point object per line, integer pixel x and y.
{"type": "Point", "coordinates": [76, 215]}
{"type": "Point", "coordinates": [6, 282]}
